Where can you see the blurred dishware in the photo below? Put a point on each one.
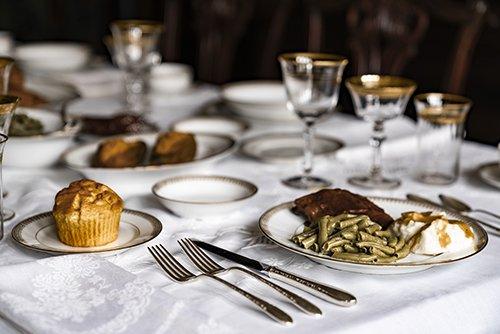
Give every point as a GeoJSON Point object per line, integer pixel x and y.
{"type": "Point", "coordinates": [490, 174]}
{"type": "Point", "coordinates": [440, 130]}
{"type": "Point", "coordinates": [378, 98]}
{"type": "Point", "coordinates": [176, 271]}
{"type": "Point", "coordinates": [52, 56]}
{"type": "Point", "coordinates": [8, 105]}
{"type": "Point", "coordinates": [312, 82]}
{"type": "Point", "coordinates": [211, 124]}
{"type": "Point", "coordinates": [38, 233]}
{"type": "Point", "coordinates": [6, 43]}
{"type": "Point", "coordinates": [197, 196]}
{"type": "Point", "coordinates": [262, 100]}
{"type": "Point", "coordinates": [41, 150]}
{"type": "Point", "coordinates": [286, 147]}
{"type": "Point", "coordinates": [279, 224]}
{"type": "Point", "coordinates": [171, 78]}
{"type": "Point", "coordinates": [326, 292]}
{"type": "Point", "coordinates": [210, 148]}
{"type": "Point", "coordinates": [135, 49]}
{"type": "Point", "coordinates": [462, 207]}
{"type": "Point", "coordinates": [198, 256]}
{"type": "Point", "coordinates": [52, 91]}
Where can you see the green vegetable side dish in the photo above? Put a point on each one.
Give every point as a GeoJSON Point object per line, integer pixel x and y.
{"type": "Point", "coordinates": [22, 126]}
{"type": "Point", "coordinates": [353, 238]}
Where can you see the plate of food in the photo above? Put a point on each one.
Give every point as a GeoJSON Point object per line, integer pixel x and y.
{"type": "Point", "coordinates": [372, 235]}
{"type": "Point", "coordinates": [87, 217]}
{"type": "Point", "coordinates": [135, 162]}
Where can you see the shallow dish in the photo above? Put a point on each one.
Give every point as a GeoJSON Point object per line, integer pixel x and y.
{"type": "Point", "coordinates": [52, 56]}
{"type": "Point", "coordinates": [50, 90]}
{"type": "Point", "coordinates": [264, 100]}
{"type": "Point", "coordinates": [210, 148]}
{"type": "Point", "coordinates": [490, 174]}
{"type": "Point", "coordinates": [38, 233]}
{"type": "Point", "coordinates": [286, 147]}
{"type": "Point", "coordinates": [196, 196]}
{"type": "Point", "coordinates": [211, 124]}
{"type": "Point", "coordinates": [171, 78]}
{"type": "Point", "coordinates": [279, 224]}
{"type": "Point", "coordinates": [40, 150]}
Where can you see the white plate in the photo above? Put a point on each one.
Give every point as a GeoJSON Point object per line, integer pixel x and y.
{"type": "Point", "coordinates": [38, 233]}
{"type": "Point", "coordinates": [197, 196]}
{"type": "Point", "coordinates": [279, 224]}
{"type": "Point", "coordinates": [210, 148]}
{"type": "Point", "coordinates": [40, 150]}
{"type": "Point", "coordinates": [51, 90]}
{"type": "Point", "coordinates": [212, 125]}
{"type": "Point", "coordinates": [286, 147]}
{"type": "Point", "coordinates": [264, 100]}
{"type": "Point", "coordinates": [490, 173]}
{"type": "Point", "coordinates": [171, 78]}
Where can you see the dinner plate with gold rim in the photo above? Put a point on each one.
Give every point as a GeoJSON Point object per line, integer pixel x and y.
{"type": "Point", "coordinates": [38, 233]}
{"type": "Point", "coordinates": [279, 224]}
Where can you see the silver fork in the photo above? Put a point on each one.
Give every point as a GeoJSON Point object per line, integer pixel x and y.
{"type": "Point", "coordinates": [209, 266]}
{"type": "Point", "coordinates": [179, 273]}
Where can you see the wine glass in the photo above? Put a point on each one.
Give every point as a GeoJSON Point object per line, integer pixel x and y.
{"type": "Point", "coordinates": [312, 82]}
{"type": "Point", "coordinates": [6, 64]}
{"type": "Point", "coordinates": [7, 106]}
{"type": "Point", "coordinates": [135, 49]}
{"type": "Point", "coordinates": [378, 98]}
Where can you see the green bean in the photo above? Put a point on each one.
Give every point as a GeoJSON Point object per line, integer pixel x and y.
{"type": "Point", "coordinates": [403, 252]}
{"type": "Point", "coordinates": [305, 234]}
{"type": "Point", "coordinates": [383, 248]}
{"type": "Point", "coordinates": [309, 241]}
{"type": "Point", "coordinates": [323, 230]}
{"type": "Point", "coordinates": [315, 247]}
{"type": "Point", "coordinates": [378, 252]}
{"type": "Point", "coordinates": [385, 233]}
{"type": "Point", "coordinates": [334, 242]}
{"type": "Point", "coordinates": [351, 221]}
{"type": "Point", "coordinates": [400, 244]}
{"type": "Point", "coordinates": [389, 259]}
{"type": "Point", "coordinates": [349, 235]}
{"type": "Point", "coordinates": [365, 223]}
{"type": "Point", "coordinates": [356, 257]}
{"type": "Point", "coordinates": [350, 248]}
{"type": "Point", "coordinates": [368, 237]}
{"type": "Point", "coordinates": [373, 228]}
{"type": "Point", "coordinates": [337, 250]}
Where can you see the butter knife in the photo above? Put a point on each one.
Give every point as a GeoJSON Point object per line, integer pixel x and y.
{"type": "Point", "coordinates": [326, 292]}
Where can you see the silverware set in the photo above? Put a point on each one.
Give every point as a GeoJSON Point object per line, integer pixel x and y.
{"type": "Point", "coordinates": [458, 206]}
{"type": "Point", "coordinates": [209, 268]}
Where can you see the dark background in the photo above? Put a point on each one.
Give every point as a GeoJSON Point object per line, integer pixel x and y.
{"type": "Point", "coordinates": [87, 21]}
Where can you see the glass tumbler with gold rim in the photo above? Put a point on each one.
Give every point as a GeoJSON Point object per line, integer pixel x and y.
{"type": "Point", "coordinates": [8, 105]}
{"type": "Point", "coordinates": [440, 130]}
{"type": "Point", "coordinates": [312, 82]}
{"type": "Point", "coordinates": [378, 98]}
{"type": "Point", "coordinates": [135, 49]}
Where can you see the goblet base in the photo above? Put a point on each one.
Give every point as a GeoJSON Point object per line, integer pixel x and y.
{"type": "Point", "coordinates": [8, 214]}
{"type": "Point", "coordinates": [306, 182]}
{"type": "Point", "coordinates": [371, 183]}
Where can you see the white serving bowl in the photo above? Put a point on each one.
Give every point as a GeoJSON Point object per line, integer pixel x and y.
{"type": "Point", "coordinates": [211, 124]}
{"type": "Point", "coordinates": [196, 196]}
{"type": "Point", "coordinates": [171, 78]}
{"type": "Point", "coordinates": [40, 150]}
{"type": "Point", "coordinates": [52, 56]}
{"type": "Point", "coordinates": [126, 181]}
{"type": "Point", "coordinates": [264, 100]}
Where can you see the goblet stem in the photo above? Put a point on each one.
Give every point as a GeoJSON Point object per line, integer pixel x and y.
{"type": "Point", "coordinates": [136, 89]}
{"type": "Point", "coordinates": [308, 161]}
{"type": "Point", "coordinates": [377, 139]}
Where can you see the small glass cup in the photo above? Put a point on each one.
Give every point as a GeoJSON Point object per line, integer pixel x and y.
{"type": "Point", "coordinates": [378, 98]}
{"type": "Point", "coordinates": [312, 82]}
{"type": "Point", "coordinates": [135, 49]}
{"type": "Point", "coordinates": [440, 131]}
{"type": "Point", "coordinates": [7, 107]}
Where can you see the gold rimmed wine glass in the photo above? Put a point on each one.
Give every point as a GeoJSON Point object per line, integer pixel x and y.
{"type": "Point", "coordinates": [7, 107]}
{"type": "Point", "coordinates": [312, 82]}
{"type": "Point", "coordinates": [135, 49]}
{"type": "Point", "coordinates": [378, 98]}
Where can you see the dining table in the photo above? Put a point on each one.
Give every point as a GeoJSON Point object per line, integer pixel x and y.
{"type": "Point", "coordinates": [462, 297]}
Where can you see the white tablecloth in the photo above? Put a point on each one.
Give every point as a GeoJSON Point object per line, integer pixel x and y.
{"type": "Point", "coordinates": [460, 298]}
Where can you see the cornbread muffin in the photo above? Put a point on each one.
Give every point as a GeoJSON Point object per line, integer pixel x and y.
{"type": "Point", "coordinates": [87, 214]}
{"type": "Point", "coordinates": [118, 153]}
{"type": "Point", "coordinates": [173, 148]}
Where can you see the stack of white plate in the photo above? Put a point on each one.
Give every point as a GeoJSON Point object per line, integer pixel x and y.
{"type": "Point", "coordinates": [52, 56]}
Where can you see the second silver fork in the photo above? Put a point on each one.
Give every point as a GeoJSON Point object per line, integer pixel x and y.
{"type": "Point", "coordinates": [209, 266]}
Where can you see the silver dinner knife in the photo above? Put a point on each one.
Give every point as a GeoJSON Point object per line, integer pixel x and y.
{"type": "Point", "coordinates": [326, 292]}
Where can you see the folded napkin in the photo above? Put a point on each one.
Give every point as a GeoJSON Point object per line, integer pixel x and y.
{"type": "Point", "coordinates": [88, 294]}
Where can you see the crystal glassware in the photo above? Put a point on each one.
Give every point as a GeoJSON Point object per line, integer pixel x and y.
{"type": "Point", "coordinates": [135, 49]}
{"type": "Point", "coordinates": [312, 82]}
{"type": "Point", "coordinates": [440, 130]}
{"type": "Point", "coordinates": [378, 98]}
{"type": "Point", "coordinates": [7, 107]}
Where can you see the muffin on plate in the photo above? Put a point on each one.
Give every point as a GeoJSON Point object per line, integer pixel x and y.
{"type": "Point", "coordinates": [118, 153]}
{"type": "Point", "coordinates": [87, 214]}
{"type": "Point", "coordinates": [173, 148]}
